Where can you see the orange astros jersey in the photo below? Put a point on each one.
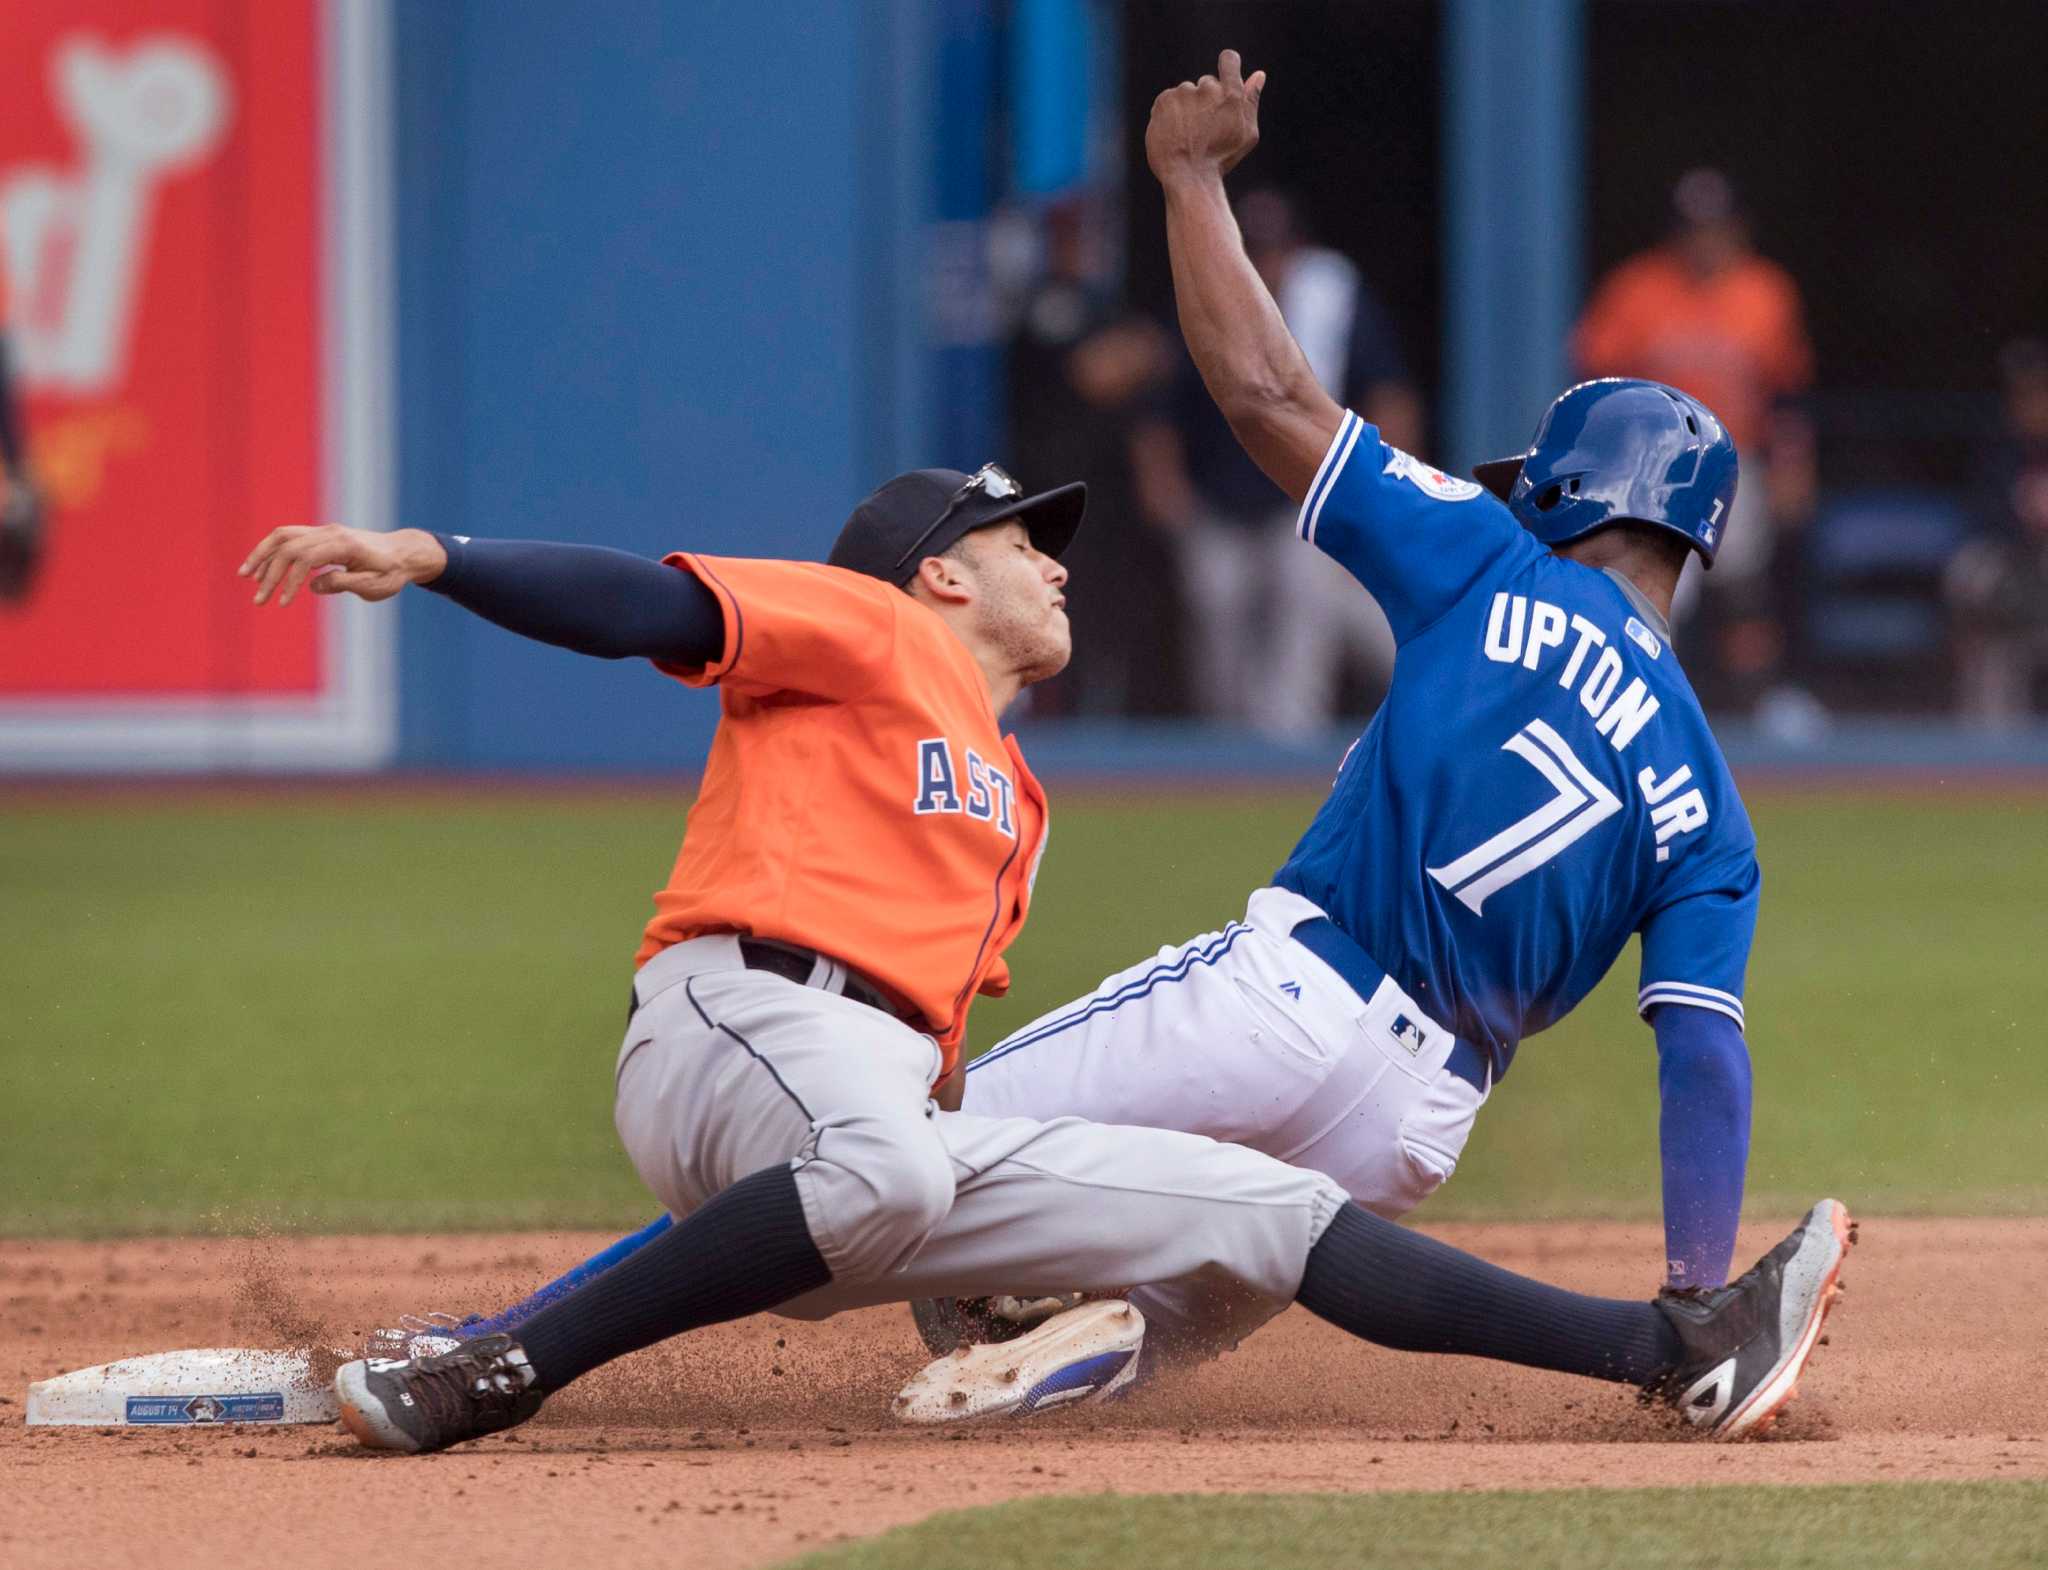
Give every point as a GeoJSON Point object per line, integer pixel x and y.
{"type": "Point", "coordinates": [861, 798]}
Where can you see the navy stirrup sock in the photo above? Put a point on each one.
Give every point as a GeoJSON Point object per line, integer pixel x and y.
{"type": "Point", "coordinates": [747, 1251]}
{"type": "Point", "coordinates": [1401, 1289]}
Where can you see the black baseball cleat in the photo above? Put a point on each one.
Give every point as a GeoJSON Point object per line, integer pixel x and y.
{"type": "Point", "coordinates": [430, 1403]}
{"type": "Point", "coordinates": [1746, 1343]}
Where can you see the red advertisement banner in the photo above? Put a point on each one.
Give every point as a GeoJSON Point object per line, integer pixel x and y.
{"type": "Point", "coordinates": [164, 218]}
{"type": "Point", "coordinates": [159, 179]}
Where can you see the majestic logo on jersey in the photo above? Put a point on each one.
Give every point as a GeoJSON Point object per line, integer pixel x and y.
{"type": "Point", "coordinates": [991, 794]}
{"type": "Point", "coordinates": [1431, 482]}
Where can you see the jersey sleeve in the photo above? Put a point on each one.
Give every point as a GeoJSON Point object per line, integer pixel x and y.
{"type": "Point", "coordinates": [1696, 948]}
{"type": "Point", "coordinates": [797, 627]}
{"type": "Point", "coordinates": [1417, 538]}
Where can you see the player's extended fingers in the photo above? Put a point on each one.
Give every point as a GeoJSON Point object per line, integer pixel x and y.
{"type": "Point", "coordinates": [273, 559]}
{"type": "Point", "coordinates": [1255, 86]}
{"type": "Point", "coordinates": [295, 577]}
{"type": "Point", "coordinates": [291, 561]}
{"type": "Point", "coordinates": [1230, 69]}
{"type": "Point", "coordinates": [273, 568]}
{"type": "Point", "coordinates": [265, 547]}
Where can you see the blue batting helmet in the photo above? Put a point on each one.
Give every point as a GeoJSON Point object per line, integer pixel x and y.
{"type": "Point", "coordinates": [1621, 449]}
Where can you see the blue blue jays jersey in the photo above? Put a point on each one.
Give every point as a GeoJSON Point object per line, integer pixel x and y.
{"type": "Point", "coordinates": [1540, 782]}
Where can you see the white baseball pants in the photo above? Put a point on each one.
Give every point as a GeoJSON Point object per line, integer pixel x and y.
{"type": "Point", "coordinates": [1245, 1035]}
{"type": "Point", "coordinates": [725, 1071]}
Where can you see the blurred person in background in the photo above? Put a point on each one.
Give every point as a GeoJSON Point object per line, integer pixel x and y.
{"type": "Point", "coordinates": [1705, 313]}
{"type": "Point", "coordinates": [1997, 586]}
{"type": "Point", "coordinates": [1271, 625]}
{"type": "Point", "coordinates": [21, 506]}
{"type": "Point", "coordinates": [1081, 369]}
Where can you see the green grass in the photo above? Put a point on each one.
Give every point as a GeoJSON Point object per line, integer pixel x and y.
{"type": "Point", "coordinates": [401, 1012]}
{"type": "Point", "coordinates": [1987, 1526]}
{"type": "Point", "coordinates": [1896, 997]}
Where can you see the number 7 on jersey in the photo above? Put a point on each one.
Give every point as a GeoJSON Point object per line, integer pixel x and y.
{"type": "Point", "coordinates": [1582, 804]}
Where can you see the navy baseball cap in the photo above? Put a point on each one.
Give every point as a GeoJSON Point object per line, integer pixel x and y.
{"type": "Point", "coordinates": [924, 512]}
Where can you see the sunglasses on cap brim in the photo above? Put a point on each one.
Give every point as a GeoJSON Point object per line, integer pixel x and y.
{"type": "Point", "coordinates": [992, 480]}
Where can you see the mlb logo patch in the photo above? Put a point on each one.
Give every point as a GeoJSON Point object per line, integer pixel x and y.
{"type": "Point", "coordinates": [1407, 1034]}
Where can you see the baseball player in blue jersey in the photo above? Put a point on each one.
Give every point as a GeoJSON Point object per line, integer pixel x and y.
{"type": "Point", "coordinates": [1539, 785]}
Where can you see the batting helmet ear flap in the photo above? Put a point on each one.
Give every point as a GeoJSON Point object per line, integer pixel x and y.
{"type": "Point", "coordinates": [1498, 476]}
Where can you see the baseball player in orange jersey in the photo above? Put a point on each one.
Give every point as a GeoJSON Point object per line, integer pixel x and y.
{"type": "Point", "coordinates": [790, 1014]}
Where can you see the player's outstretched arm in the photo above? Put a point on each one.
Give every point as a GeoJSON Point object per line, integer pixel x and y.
{"type": "Point", "coordinates": [583, 597]}
{"type": "Point", "coordinates": [1252, 366]}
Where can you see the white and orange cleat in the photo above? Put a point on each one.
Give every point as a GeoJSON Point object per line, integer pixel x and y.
{"type": "Point", "coordinates": [1747, 1343]}
{"type": "Point", "coordinates": [1087, 1354]}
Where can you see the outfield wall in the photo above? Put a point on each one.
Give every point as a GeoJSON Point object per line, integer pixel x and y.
{"type": "Point", "coordinates": [647, 296]}
{"type": "Point", "coordinates": [624, 276]}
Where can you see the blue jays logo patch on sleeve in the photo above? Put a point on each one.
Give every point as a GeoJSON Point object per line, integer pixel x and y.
{"type": "Point", "coordinates": [1431, 482]}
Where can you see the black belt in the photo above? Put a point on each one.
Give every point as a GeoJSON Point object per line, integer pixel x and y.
{"type": "Point", "coordinates": [797, 965]}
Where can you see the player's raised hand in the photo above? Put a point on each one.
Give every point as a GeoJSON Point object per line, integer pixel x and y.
{"type": "Point", "coordinates": [1205, 127]}
{"type": "Point", "coordinates": [362, 562]}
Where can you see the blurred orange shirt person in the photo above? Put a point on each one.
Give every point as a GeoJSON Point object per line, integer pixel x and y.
{"type": "Point", "coordinates": [1704, 313]}
{"type": "Point", "coordinates": [860, 798]}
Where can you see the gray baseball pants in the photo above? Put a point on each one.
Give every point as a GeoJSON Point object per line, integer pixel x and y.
{"type": "Point", "coordinates": [726, 1070]}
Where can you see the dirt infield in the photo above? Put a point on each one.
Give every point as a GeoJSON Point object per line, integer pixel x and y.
{"type": "Point", "coordinates": [751, 1442]}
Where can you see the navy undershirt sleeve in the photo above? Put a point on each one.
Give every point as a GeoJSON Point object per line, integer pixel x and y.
{"type": "Point", "coordinates": [1703, 1083]}
{"type": "Point", "coordinates": [585, 597]}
